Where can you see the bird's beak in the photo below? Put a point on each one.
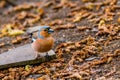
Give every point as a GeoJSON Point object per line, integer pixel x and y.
{"type": "Point", "coordinates": [50, 31]}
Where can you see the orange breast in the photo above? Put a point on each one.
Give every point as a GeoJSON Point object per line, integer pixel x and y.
{"type": "Point", "coordinates": [43, 45]}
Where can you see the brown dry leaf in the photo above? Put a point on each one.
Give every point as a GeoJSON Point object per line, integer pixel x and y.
{"type": "Point", "coordinates": [80, 59]}
{"type": "Point", "coordinates": [75, 75]}
{"type": "Point", "coordinates": [65, 3]}
{"type": "Point", "coordinates": [66, 26]}
{"type": "Point", "coordinates": [92, 15]}
{"type": "Point", "coordinates": [77, 18]}
{"type": "Point", "coordinates": [107, 10]}
{"type": "Point", "coordinates": [14, 41]}
{"type": "Point", "coordinates": [113, 2]}
{"type": "Point", "coordinates": [71, 4]}
{"type": "Point", "coordinates": [108, 18]}
{"type": "Point", "coordinates": [2, 75]}
{"type": "Point", "coordinates": [30, 79]}
{"type": "Point", "coordinates": [32, 21]}
{"type": "Point", "coordinates": [40, 11]}
{"type": "Point", "coordinates": [26, 73]}
{"type": "Point", "coordinates": [90, 6]}
{"type": "Point", "coordinates": [116, 7]}
{"type": "Point", "coordinates": [29, 18]}
{"type": "Point", "coordinates": [102, 27]}
{"type": "Point", "coordinates": [19, 38]}
{"type": "Point", "coordinates": [47, 4]}
{"type": "Point", "coordinates": [118, 13]}
{"type": "Point", "coordinates": [95, 20]}
{"type": "Point", "coordinates": [117, 52]}
{"type": "Point", "coordinates": [108, 29]}
{"type": "Point", "coordinates": [77, 44]}
{"type": "Point", "coordinates": [21, 15]}
{"type": "Point", "coordinates": [56, 22]}
{"type": "Point", "coordinates": [71, 47]}
{"type": "Point", "coordinates": [98, 62]}
{"type": "Point", "coordinates": [90, 50]}
{"type": "Point", "coordinates": [118, 20]}
{"type": "Point", "coordinates": [1, 35]}
{"type": "Point", "coordinates": [2, 44]}
{"type": "Point", "coordinates": [81, 28]}
{"type": "Point", "coordinates": [88, 0]}
{"type": "Point", "coordinates": [101, 78]}
{"type": "Point", "coordinates": [80, 16]}
{"type": "Point", "coordinates": [111, 72]}
{"type": "Point", "coordinates": [45, 77]}
{"type": "Point", "coordinates": [8, 78]}
{"type": "Point", "coordinates": [109, 59]}
{"type": "Point", "coordinates": [22, 7]}
{"type": "Point", "coordinates": [2, 4]}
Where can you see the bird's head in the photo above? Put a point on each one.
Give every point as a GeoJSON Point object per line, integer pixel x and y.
{"type": "Point", "coordinates": [45, 31]}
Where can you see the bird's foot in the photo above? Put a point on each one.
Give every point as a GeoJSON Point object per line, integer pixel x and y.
{"type": "Point", "coordinates": [37, 55]}
{"type": "Point", "coordinates": [47, 57]}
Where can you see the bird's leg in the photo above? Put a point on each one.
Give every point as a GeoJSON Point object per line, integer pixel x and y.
{"type": "Point", "coordinates": [36, 54]}
{"type": "Point", "coordinates": [47, 56]}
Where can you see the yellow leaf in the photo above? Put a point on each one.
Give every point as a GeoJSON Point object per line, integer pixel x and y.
{"type": "Point", "coordinates": [101, 22]}
{"type": "Point", "coordinates": [4, 30]}
{"type": "Point", "coordinates": [9, 27]}
{"type": "Point", "coordinates": [27, 67]}
{"type": "Point", "coordinates": [15, 32]}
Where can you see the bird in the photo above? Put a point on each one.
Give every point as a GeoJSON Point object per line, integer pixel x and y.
{"type": "Point", "coordinates": [44, 42]}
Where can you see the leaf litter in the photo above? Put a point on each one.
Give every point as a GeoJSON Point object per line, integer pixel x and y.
{"type": "Point", "coordinates": [89, 51]}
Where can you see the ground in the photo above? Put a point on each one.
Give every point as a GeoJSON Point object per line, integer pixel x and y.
{"type": "Point", "coordinates": [87, 38]}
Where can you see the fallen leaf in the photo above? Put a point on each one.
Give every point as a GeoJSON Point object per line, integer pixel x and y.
{"type": "Point", "coordinates": [109, 59]}
{"type": "Point", "coordinates": [45, 77]}
{"type": "Point", "coordinates": [2, 4]}
{"type": "Point", "coordinates": [27, 67]}
{"type": "Point", "coordinates": [118, 20]}
{"type": "Point", "coordinates": [15, 32]}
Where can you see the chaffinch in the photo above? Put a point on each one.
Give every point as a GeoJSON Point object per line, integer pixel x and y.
{"type": "Point", "coordinates": [44, 42]}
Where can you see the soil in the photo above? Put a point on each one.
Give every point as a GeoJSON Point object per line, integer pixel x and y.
{"type": "Point", "coordinates": [87, 38]}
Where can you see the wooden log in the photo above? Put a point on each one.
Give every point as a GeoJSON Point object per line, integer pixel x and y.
{"type": "Point", "coordinates": [22, 55]}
